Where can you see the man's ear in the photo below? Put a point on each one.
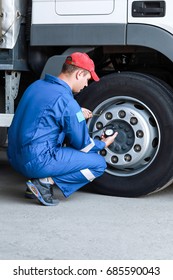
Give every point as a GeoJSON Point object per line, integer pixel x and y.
{"type": "Point", "coordinates": [79, 74]}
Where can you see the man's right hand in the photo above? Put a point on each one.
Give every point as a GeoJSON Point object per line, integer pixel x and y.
{"type": "Point", "coordinates": [109, 140]}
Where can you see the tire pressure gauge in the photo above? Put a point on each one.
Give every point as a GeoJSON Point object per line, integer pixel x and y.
{"type": "Point", "coordinates": [109, 131]}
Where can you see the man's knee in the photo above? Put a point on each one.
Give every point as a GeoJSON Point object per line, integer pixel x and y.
{"type": "Point", "coordinates": [101, 165]}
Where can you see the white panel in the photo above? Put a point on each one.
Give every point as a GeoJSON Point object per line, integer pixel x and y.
{"type": "Point", "coordinates": [45, 12]}
{"type": "Point", "coordinates": [84, 7]}
{"type": "Point", "coordinates": [6, 119]}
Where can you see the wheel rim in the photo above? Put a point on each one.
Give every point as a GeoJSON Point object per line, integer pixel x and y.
{"type": "Point", "coordinates": [138, 139]}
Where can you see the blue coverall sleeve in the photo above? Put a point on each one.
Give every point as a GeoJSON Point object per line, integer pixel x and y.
{"type": "Point", "coordinates": [76, 130]}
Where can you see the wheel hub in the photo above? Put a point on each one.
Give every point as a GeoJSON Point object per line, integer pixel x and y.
{"type": "Point", "coordinates": [125, 139]}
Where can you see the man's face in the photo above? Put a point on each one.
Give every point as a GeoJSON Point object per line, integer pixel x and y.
{"type": "Point", "coordinates": [81, 80]}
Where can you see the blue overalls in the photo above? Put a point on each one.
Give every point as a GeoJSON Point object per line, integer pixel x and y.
{"type": "Point", "coordinates": [46, 114]}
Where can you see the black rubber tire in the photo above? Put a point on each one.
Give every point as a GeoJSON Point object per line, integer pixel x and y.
{"type": "Point", "coordinates": [158, 97]}
{"type": "Point", "coordinates": [3, 130]}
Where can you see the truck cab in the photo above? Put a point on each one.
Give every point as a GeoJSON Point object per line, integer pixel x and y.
{"type": "Point", "coordinates": [131, 44]}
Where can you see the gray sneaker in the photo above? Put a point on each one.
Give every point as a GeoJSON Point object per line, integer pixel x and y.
{"type": "Point", "coordinates": [43, 192]}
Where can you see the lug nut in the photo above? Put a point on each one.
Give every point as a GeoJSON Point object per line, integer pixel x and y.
{"type": "Point", "coordinates": [139, 133]}
{"type": "Point", "coordinates": [114, 159]}
{"type": "Point", "coordinates": [127, 157]}
{"type": "Point", "coordinates": [108, 116]}
{"type": "Point", "coordinates": [122, 114]}
{"type": "Point", "coordinates": [133, 120]}
{"type": "Point", "coordinates": [137, 148]}
{"type": "Point", "coordinates": [99, 125]}
{"type": "Point", "coordinates": [103, 152]}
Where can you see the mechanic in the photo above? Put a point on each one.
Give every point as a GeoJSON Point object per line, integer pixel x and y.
{"type": "Point", "coordinates": [46, 114]}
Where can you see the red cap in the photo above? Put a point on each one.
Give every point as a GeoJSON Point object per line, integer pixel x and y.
{"type": "Point", "coordinates": [83, 61]}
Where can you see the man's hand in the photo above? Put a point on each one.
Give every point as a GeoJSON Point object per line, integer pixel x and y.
{"type": "Point", "coordinates": [109, 140]}
{"type": "Point", "coordinates": [87, 113]}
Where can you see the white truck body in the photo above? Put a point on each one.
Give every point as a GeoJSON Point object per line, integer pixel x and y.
{"type": "Point", "coordinates": [11, 15]}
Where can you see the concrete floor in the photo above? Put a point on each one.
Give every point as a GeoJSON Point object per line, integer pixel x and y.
{"type": "Point", "coordinates": [85, 226]}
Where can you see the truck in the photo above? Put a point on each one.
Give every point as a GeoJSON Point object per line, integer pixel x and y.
{"type": "Point", "coordinates": [131, 44]}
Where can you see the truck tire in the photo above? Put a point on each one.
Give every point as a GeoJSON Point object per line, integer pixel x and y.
{"type": "Point", "coordinates": [3, 130]}
{"type": "Point", "coordinates": [140, 108]}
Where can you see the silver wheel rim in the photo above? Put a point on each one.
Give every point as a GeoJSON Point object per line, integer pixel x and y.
{"type": "Point", "coordinates": [138, 140]}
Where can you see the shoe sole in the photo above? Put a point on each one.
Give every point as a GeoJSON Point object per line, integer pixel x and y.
{"type": "Point", "coordinates": [37, 194]}
{"type": "Point", "coordinates": [29, 195]}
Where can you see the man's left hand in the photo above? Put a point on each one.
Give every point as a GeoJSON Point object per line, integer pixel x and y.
{"type": "Point", "coordinates": [87, 113]}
